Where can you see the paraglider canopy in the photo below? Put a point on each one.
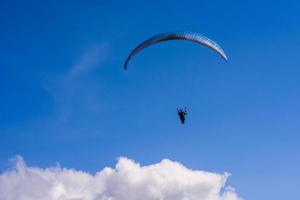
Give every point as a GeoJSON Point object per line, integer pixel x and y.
{"type": "Point", "coordinates": [177, 35]}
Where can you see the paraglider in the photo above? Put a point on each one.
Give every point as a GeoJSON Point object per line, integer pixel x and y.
{"type": "Point", "coordinates": [182, 113]}
{"type": "Point", "coordinates": [177, 35]}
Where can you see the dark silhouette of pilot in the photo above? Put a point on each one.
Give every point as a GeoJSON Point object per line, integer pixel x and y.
{"type": "Point", "coordinates": [182, 114]}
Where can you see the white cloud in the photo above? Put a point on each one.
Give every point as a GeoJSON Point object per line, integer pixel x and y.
{"type": "Point", "coordinates": [78, 92]}
{"type": "Point", "coordinates": [91, 58]}
{"type": "Point", "coordinates": [166, 180]}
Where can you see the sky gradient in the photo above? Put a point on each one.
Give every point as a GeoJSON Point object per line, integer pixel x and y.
{"type": "Point", "coordinates": [65, 97]}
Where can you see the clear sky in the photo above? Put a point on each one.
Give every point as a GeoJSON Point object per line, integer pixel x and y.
{"type": "Point", "coordinates": [66, 98]}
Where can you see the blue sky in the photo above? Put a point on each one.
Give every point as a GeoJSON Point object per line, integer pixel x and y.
{"type": "Point", "coordinates": [65, 97]}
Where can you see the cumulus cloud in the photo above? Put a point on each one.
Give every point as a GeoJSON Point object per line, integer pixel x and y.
{"type": "Point", "coordinates": [167, 180]}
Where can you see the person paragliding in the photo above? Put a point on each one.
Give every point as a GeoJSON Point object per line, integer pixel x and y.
{"type": "Point", "coordinates": [182, 113]}
{"type": "Point", "coordinates": [177, 35]}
